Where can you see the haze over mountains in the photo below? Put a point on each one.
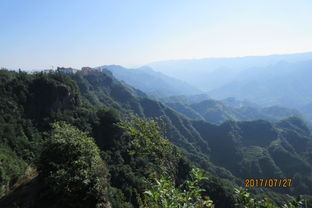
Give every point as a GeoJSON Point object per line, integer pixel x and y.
{"type": "Point", "coordinates": [149, 81]}
{"type": "Point", "coordinates": [210, 73]}
{"type": "Point", "coordinates": [280, 82]}
{"type": "Point", "coordinates": [217, 112]}
{"type": "Point", "coordinates": [276, 80]}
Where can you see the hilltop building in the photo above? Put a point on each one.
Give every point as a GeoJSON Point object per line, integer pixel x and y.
{"type": "Point", "coordinates": [66, 70]}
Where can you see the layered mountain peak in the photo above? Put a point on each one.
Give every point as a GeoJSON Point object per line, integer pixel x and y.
{"type": "Point", "coordinates": [149, 81]}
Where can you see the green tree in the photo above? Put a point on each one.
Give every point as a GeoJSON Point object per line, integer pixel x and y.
{"type": "Point", "coordinates": [246, 200]}
{"type": "Point", "coordinates": [72, 168]}
{"type": "Point", "coordinates": [147, 141]}
{"type": "Point", "coordinates": [11, 169]}
{"type": "Point", "coordinates": [164, 193]}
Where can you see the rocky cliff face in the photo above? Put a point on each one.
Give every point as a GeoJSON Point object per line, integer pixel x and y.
{"type": "Point", "coordinates": [50, 95]}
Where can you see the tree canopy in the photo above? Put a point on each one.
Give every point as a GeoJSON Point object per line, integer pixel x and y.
{"type": "Point", "coordinates": [72, 168]}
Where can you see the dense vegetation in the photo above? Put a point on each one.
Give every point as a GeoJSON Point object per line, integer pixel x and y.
{"type": "Point", "coordinates": [87, 140]}
{"type": "Point", "coordinates": [71, 168]}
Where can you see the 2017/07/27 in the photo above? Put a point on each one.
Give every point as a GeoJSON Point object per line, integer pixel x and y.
{"type": "Point", "coordinates": [283, 183]}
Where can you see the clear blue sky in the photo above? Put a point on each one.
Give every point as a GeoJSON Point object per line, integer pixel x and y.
{"type": "Point", "coordinates": [45, 33]}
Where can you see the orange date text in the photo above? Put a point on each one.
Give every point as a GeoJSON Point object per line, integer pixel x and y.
{"type": "Point", "coordinates": [268, 182]}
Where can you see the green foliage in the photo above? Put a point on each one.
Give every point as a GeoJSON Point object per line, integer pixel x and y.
{"type": "Point", "coordinates": [139, 155]}
{"type": "Point", "coordinates": [164, 194]}
{"type": "Point", "coordinates": [147, 141]}
{"type": "Point", "coordinates": [11, 168]}
{"type": "Point", "coordinates": [246, 200]}
{"type": "Point", "coordinates": [72, 168]}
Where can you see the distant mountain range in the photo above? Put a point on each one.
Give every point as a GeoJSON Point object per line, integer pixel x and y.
{"type": "Point", "coordinates": [282, 80]}
{"type": "Point", "coordinates": [284, 83]}
{"type": "Point", "coordinates": [217, 112]}
{"type": "Point", "coordinates": [183, 98]}
{"type": "Point", "coordinates": [149, 81]}
{"type": "Point", "coordinates": [210, 73]}
{"type": "Point", "coordinates": [199, 106]}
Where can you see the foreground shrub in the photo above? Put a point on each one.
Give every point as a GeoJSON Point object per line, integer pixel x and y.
{"type": "Point", "coordinates": [72, 168]}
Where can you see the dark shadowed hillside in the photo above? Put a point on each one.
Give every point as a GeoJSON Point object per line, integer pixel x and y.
{"type": "Point", "coordinates": [262, 149]}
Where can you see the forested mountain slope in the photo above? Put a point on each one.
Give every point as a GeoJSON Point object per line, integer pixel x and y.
{"type": "Point", "coordinates": [261, 149]}
{"type": "Point", "coordinates": [95, 102]}
{"type": "Point", "coordinates": [216, 112]}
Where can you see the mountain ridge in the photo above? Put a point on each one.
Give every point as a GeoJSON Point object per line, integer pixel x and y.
{"type": "Point", "coordinates": [151, 82]}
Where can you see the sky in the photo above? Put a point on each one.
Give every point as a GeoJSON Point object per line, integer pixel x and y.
{"type": "Point", "coordinates": [38, 34]}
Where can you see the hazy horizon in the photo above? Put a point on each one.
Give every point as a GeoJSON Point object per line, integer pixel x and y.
{"type": "Point", "coordinates": [159, 61]}
{"type": "Point", "coordinates": [42, 34]}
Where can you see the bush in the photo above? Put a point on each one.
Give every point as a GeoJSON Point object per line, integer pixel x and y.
{"type": "Point", "coordinates": [72, 168]}
{"type": "Point", "coordinates": [164, 193]}
{"type": "Point", "coordinates": [11, 169]}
